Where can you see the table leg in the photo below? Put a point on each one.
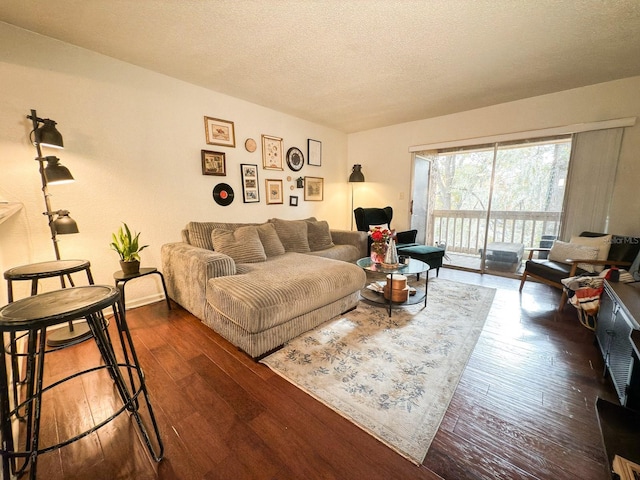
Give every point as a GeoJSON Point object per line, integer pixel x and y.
{"type": "Point", "coordinates": [426, 288]}
{"type": "Point", "coordinates": [130, 355]}
{"type": "Point", "coordinates": [164, 287]}
{"type": "Point", "coordinates": [390, 291]}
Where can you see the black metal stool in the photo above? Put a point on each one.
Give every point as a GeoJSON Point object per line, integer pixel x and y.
{"type": "Point", "coordinates": [56, 268]}
{"type": "Point", "coordinates": [36, 271]}
{"type": "Point", "coordinates": [34, 315]}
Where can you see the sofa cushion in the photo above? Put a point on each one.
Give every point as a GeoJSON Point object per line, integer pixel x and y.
{"type": "Point", "coordinates": [292, 234]}
{"type": "Point", "coordinates": [603, 244]}
{"type": "Point", "coordinates": [318, 235]}
{"type": "Point", "coordinates": [199, 233]}
{"type": "Point", "coordinates": [242, 244]}
{"type": "Point", "coordinates": [270, 240]}
{"type": "Point", "coordinates": [561, 251]}
{"type": "Point", "coordinates": [273, 292]}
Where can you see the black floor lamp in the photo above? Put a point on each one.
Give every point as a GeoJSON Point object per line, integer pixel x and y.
{"type": "Point", "coordinates": [45, 134]}
{"type": "Point", "coordinates": [355, 177]}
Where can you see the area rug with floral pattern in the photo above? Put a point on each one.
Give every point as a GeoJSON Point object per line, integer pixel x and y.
{"type": "Point", "coordinates": [392, 376]}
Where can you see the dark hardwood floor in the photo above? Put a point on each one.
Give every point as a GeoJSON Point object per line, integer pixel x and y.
{"type": "Point", "coordinates": [524, 407]}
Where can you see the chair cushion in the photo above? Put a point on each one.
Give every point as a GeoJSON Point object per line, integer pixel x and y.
{"type": "Point", "coordinates": [603, 244]}
{"type": "Point", "coordinates": [623, 248]}
{"type": "Point", "coordinates": [561, 251]}
{"type": "Point", "coordinates": [550, 270]}
{"type": "Point", "coordinates": [242, 244]}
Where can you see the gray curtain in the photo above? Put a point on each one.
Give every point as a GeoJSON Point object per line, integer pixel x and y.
{"type": "Point", "coordinates": [592, 172]}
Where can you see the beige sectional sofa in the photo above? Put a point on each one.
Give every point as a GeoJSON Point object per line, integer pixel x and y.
{"type": "Point", "coordinates": [259, 285]}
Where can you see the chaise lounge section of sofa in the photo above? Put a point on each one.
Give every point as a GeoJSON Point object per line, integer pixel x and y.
{"type": "Point", "coordinates": [260, 285]}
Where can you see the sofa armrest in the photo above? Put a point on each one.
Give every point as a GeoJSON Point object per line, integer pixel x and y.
{"type": "Point", "coordinates": [348, 237]}
{"type": "Point", "coordinates": [187, 269]}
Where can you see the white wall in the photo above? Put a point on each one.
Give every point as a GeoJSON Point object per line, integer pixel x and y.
{"type": "Point", "coordinates": [132, 141]}
{"type": "Point", "coordinates": [386, 162]}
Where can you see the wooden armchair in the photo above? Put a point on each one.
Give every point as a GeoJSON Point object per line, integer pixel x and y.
{"type": "Point", "coordinates": [622, 252]}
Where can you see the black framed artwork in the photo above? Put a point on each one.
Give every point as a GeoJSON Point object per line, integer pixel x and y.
{"type": "Point", "coordinates": [250, 192]}
{"type": "Point", "coordinates": [314, 152]}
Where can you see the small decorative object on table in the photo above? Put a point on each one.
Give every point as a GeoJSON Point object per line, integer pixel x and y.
{"type": "Point", "coordinates": [128, 247]}
{"type": "Point", "coordinates": [391, 257]}
{"type": "Point", "coordinates": [379, 236]}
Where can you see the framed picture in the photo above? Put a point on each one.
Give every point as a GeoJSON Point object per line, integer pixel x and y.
{"type": "Point", "coordinates": [293, 201]}
{"type": "Point", "coordinates": [271, 153]}
{"type": "Point", "coordinates": [274, 191]}
{"type": "Point", "coordinates": [295, 159]}
{"type": "Point", "coordinates": [249, 173]}
{"type": "Point", "coordinates": [213, 163]}
{"type": "Point", "coordinates": [314, 152]}
{"type": "Point", "coordinates": [219, 132]}
{"type": "Point", "coordinates": [313, 189]}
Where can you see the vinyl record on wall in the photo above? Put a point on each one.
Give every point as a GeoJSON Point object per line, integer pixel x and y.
{"type": "Point", "coordinates": [223, 194]}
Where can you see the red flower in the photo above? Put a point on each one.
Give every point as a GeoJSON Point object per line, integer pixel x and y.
{"type": "Point", "coordinates": [377, 235]}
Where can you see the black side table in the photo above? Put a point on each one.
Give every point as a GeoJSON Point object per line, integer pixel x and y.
{"type": "Point", "coordinates": [37, 313]}
{"type": "Point", "coordinates": [121, 280]}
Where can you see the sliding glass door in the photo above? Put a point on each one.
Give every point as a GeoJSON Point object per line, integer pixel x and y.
{"type": "Point", "coordinates": [488, 203]}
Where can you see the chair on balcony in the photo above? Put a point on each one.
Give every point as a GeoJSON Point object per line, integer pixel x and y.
{"type": "Point", "coordinates": [366, 218]}
{"type": "Point", "coordinates": [587, 254]}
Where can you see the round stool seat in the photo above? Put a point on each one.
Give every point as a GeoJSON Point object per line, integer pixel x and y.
{"type": "Point", "coordinates": [51, 308]}
{"type": "Point", "coordinates": [46, 269]}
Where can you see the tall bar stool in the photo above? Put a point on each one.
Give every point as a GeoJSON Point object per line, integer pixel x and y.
{"type": "Point", "coordinates": [34, 272]}
{"type": "Point", "coordinates": [57, 268]}
{"type": "Point", "coordinates": [34, 315]}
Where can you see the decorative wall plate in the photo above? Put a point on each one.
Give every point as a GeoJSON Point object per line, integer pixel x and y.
{"type": "Point", "coordinates": [295, 159]}
{"type": "Point", "coordinates": [250, 145]}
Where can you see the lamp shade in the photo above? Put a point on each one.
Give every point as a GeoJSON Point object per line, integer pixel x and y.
{"type": "Point", "coordinates": [356, 174]}
{"type": "Point", "coordinates": [56, 173]}
{"type": "Point", "coordinates": [64, 224]}
{"type": "Point", "coordinates": [48, 136]}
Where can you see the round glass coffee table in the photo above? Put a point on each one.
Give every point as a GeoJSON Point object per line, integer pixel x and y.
{"type": "Point", "coordinates": [374, 292]}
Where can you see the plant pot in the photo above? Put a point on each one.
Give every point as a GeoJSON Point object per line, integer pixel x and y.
{"type": "Point", "coordinates": [130, 268]}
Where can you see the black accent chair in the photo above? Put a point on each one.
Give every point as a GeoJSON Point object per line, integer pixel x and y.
{"type": "Point", "coordinates": [405, 241]}
{"type": "Point", "coordinates": [622, 253]}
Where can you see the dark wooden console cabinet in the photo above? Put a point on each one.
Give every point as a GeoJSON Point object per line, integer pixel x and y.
{"type": "Point", "coordinates": [617, 320]}
{"type": "Point", "coordinates": [618, 336]}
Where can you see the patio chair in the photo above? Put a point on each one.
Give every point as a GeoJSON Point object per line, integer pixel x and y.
{"type": "Point", "coordinates": [580, 260]}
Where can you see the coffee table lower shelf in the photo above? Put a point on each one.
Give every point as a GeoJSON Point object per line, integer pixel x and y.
{"type": "Point", "coordinates": [378, 298]}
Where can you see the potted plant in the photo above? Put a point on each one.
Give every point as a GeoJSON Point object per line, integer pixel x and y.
{"type": "Point", "coordinates": [128, 247]}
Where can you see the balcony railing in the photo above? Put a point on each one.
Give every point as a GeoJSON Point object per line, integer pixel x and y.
{"type": "Point", "coordinates": [463, 230]}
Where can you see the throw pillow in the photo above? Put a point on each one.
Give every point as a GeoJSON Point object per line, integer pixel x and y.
{"type": "Point", "coordinates": [561, 251]}
{"type": "Point", "coordinates": [242, 244]}
{"type": "Point", "coordinates": [270, 240]}
{"type": "Point", "coordinates": [292, 234]}
{"type": "Point", "coordinates": [319, 235]}
{"type": "Point", "coordinates": [383, 226]}
{"type": "Point", "coordinates": [603, 244]}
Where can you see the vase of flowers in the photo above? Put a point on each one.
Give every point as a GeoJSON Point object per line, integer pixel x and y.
{"type": "Point", "coordinates": [379, 240]}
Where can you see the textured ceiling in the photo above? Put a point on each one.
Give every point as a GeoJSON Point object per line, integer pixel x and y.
{"type": "Point", "coordinates": [356, 64]}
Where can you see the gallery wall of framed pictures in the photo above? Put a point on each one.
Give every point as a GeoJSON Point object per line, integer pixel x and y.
{"type": "Point", "coordinates": [273, 157]}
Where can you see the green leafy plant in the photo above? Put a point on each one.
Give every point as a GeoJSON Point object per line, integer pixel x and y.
{"type": "Point", "coordinates": [126, 244]}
